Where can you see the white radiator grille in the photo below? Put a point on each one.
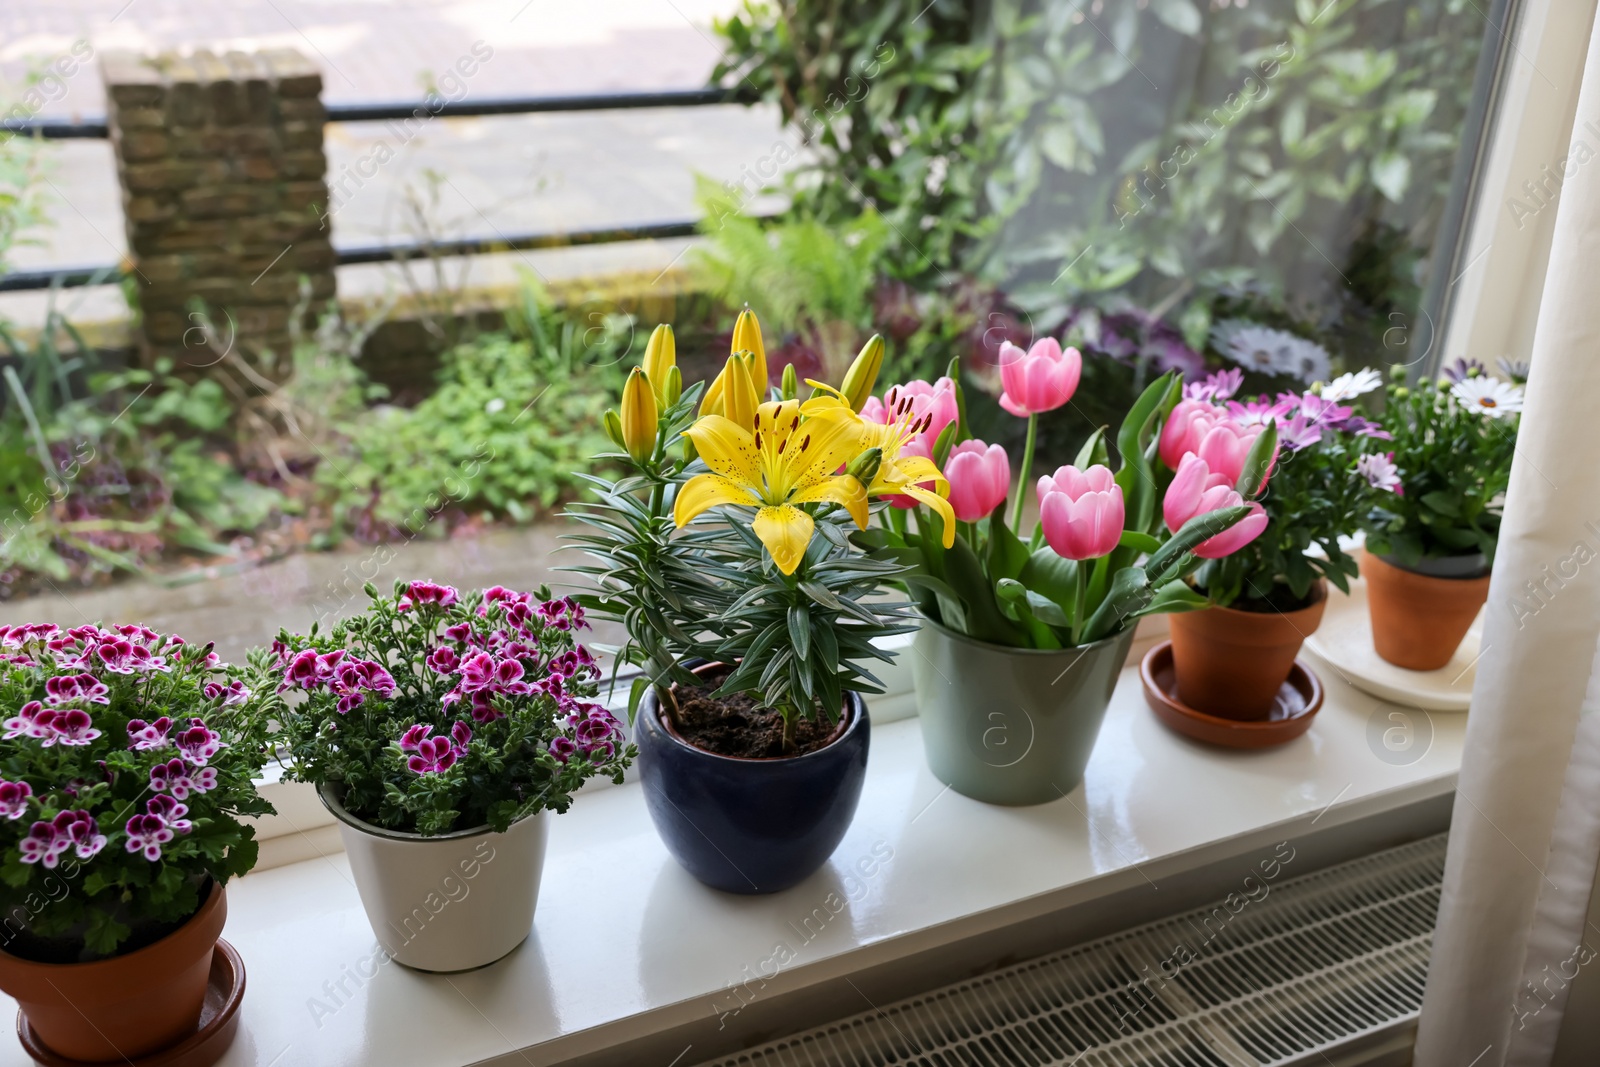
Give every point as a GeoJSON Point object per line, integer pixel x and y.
{"type": "Point", "coordinates": [1321, 961]}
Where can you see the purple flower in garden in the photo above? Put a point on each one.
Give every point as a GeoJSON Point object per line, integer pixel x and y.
{"type": "Point", "coordinates": [562, 748]}
{"type": "Point", "coordinates": [414, 736]}
{"type": "Point", "coordinates": [147, 736]}
{"type": "Point", "coordinates": [460, 632]}
{"type": "Point", "coordinates": [42, 845]}
{"type": "Point", "coordinates": [427, 593]}
{"type": "Point", "coordinates": [1364, 427]}
{"type": "Point", "coordinates": [303, 670]}
{"type": "Point", "coordinates": [1217, 387]}
{"type": "Point", "coordinates": [349, 702]}
{"type": "Point", "coordinates": [443, 660]}
{"type": "Point", "coordinates": [1298, 432]}
{"type": "Point", "coordinates": [1380, 472]}
{"type": "Point", "coordinates": [171, 811]}
{"type": "Point", "coordinates": [477, 672]}
{"type": "Point", "coordinates": [1259, 410]}
{"type": "Point", "coordinates": [231, 694]}
{"type": "Point", "coordinates": [78, 830]}
{"type": "Point", "coordinates": [563, 614]}
{"type": "Point", "coordinates": [25, 723]}
{"type": "Point", "coordinates": [14, 798]}
{"type": "Point", "coordinates": [434, 755]}
{"type": "Point", "coordinates": [67, 689]}
{"type": "Point", "coordinates": [198, 742]}
{"type": "Point", "coordinates": [1462, 369]}
{"type": "Point", "coordinates": [1315, 409]}
{"type": "Point", "coordinates": [146, 833]}
{"type": "Point", "coordinates": [376, 679]}
{"type": "Point", "coordinates": [483, 709]}
{"type": "Point", "coordinates": [175, 777]}
{"type": "Point", "coordinates": [461, 734]}
{"type": "Point", "coordinates": [122, 656]}
{"type": "Point", "coordinates": [69, 727]}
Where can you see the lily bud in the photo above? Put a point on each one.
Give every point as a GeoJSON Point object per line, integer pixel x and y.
{"type": "Point", "coordinates": [638, 419]}
{"type": "Point", "coordinates": [669, 392]}
{"type": "Point", "coordinates": [739, 399]}
{"type": "Point", "coordinates": [747, 338]}
{"type": "Point", "coordinates": [864, 467]}
{"type": "Point", "coordinates": [660, 356]}
{"type": "Point", "coordinates": [862, 376]}
{"type": "Point", "coordinates": [711, 400]}
{"type": "Point", "coordinates": [613, 427]}
{"type": "Point", "coordinates": [790, 388]}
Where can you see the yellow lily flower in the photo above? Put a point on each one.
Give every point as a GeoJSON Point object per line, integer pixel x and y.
{"type": "Point", "coordinates": [715, 400]}
{"type": "Point", "coordinates": [898, 474]}
{"type": "Point", "coordinates": [780, 462]}
{"type": "Point", "coordinates": [638, 418]}
{"type": "Point", "coordinates": [747, 338]}
{"type": "Point", "coordinates": [660, 359]}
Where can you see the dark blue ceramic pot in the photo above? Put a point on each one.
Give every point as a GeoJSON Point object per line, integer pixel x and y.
{"type": "Point", "coordinates": [750, 825]}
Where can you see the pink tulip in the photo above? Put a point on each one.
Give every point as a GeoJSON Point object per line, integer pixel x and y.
{"type": "Point", "coordinates": [917, 401]}
{"type": "Point", "coordinates": [1186, 427]}
{"type": "Point", "coordinates": [980, 478]}
{"type": "Point", "coordinates": [1041, 379]}
{"type": "Point", "coordinates": [1081, 511]}
{"type": "Point", "coordinates": [1225, 447]}
{"type": "Point", "coordinates": [1196, 490]}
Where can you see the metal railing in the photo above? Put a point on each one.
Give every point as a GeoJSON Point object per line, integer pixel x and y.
{"type": "Point", "coordinates": [94, 127]}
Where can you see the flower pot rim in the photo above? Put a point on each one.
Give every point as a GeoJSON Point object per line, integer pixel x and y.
{"type": "Point", "coordinates": [212, 901]}
{"type": "Point", "coordinates": [953, 635]}
{"type": "Point", "coordinates": [1393, 561]}
{"type": "Point", "coordinates": [337, 809]}
{"type": "Point", "coordinates": [850, 726]}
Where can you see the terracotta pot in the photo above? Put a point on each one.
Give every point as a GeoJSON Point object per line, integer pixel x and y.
{"type": "Point", "coordinates": [1418, 620]}
{"type": "Point", "coordinates": [1231, 663]}
{"type": "Point", "coordinates": [126, 1006]}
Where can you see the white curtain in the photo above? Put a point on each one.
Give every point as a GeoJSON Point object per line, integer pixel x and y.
{"type": "Point", "coordinates": [1513, 929]}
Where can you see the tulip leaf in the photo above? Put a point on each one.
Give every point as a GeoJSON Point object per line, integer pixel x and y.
{"type": "Point", "coordinates": [1141, 543]}
{"type": "Point", "coordinates": [1175, 596]}
{"type": "Point", "coordinates": [1196, 530]}
{"type": "Point", "coordinates": [1137, 477]}
{"type": "Point", "coordinates": [1093, 451]}
{"type": "Point", "coordinates": [1007, 555]}
{"type": "Point", "coordinates": [1032, 611]}
{"type": "Point", "coordinates": [946, 441]}
{"type": "Point", "coordinates": [1258, 462]}
{"type": "Point", "coordinates": [1051, 576]}
{"type": "Point", "coordinates": [1129, 597]}
{"type": "Point", "coordinates": [982, 618]}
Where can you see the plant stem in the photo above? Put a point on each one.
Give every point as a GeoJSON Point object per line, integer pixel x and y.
{"type": "Point", "coordinates": [1027, 467]}
{"type": "Point", "coordinates": [788, 732]}
{"type": "Point", "coordinates": [1081, 581]}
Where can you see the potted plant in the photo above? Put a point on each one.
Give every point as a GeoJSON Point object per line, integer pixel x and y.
{"type": "Point", "coordinates": [126, 770]}
{"type": "Point", "coordinates": [723, 550]}
{"type": "Point", "coordinates": [1266, 598]}
{"type": "Point", "coordinates": [1432, 529]}
{"type": "Point", "coordinates": [439, 728]}
{"type": "Point", "coordinates": [1022, 640]}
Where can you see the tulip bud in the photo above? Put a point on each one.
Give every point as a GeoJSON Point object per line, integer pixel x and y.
{"type": "Point", "coordinates": [672, 389]}
{"type": "Point", "coordinates": [660, 354]}
{"type": "Point", "coordinates": [864, 467]}
{"type": "Point", "coordinates": [739, 399]}
{"type": "Point", "coordinates": [747, 338]}
{"type": "Point", "coordinates": [638, 419]}
{"type": "Point", "coordinates": [613, 427]}
{"type": "Point", "coordinates": [862, 376]}
{"type": "Point", "coordinates": [790, 389]}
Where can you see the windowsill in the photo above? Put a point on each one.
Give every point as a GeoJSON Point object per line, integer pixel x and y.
{"type": "Point", "coordinates": [627, 945]}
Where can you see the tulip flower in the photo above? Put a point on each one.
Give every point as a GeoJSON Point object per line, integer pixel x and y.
{"type": "Point", "coordinates": [660, 358]}
{"type": "Point", "coordinates": [1040, 379]}
{"type": "Point", "coordinates": [1081, 511]}
{"type": "Point", "coordinates": [1197, 490]}
{"type": "Point", "coordinates": [863, 374]}
{"type": "Point", "coordinates": [1185, 428]}
{"type": "Point", "coordinates": [980, 478]}
{"type": "Point", "coordinates": [1225, 446]}
{"type": "Point", "coordinates": [638, 416]}
{"type": "Point", "coordinates": [931, 407]}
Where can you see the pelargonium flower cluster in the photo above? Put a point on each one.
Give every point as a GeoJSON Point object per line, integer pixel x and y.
{"type": "Point", "coordinates": [115, 743]}
{"type": "Point", "coordinates": [438, 710]}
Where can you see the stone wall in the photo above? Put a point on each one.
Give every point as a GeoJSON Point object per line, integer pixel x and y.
{"type": "Point", "coordinates": [224, 189]}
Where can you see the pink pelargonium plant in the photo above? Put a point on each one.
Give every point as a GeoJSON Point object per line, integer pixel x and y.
{"type": "Point", "coordinates": [119, 742]}
{"type": "Point", "coordinates": [495, 692]}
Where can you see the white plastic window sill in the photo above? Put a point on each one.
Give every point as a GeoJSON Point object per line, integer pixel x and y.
{"type": "Point", "coordinates": [626, 944]}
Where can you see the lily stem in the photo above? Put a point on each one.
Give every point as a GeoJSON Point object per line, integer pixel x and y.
{"type": "Point", "coordinates": [1027, 467]}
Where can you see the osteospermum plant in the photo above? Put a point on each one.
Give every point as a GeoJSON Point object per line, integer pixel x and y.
{"type": "Point", "coordinates": [1439, 485]}
{"type": "Point", "coordinates": [434, 711]}
{"type": "Point", "coordinates": [127, 762]}
{"type": "Point", "coordinates": [726, 538]}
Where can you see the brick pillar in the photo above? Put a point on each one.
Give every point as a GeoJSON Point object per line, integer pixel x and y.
{"type": "Point", "coordinates": [224, 189]}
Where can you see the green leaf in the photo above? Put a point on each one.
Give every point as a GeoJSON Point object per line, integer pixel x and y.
{"type": "Point", "coordinates": [1180, 15]}
{"type": "Point", "coordinates": [1176, 596]}
{"type": "Point", "coordinates": [1093, 451]}
{"type": "Point", "coordinates": [1258, 462]}
{"type": "Point", "coordinates": [1142, 543]}
{"type": "Point", "coordinates": [800, 631]}
{"type": "Point", "coordinates": [1006, 554]}
{"type": "Point", "coordinates": [1391, 173]}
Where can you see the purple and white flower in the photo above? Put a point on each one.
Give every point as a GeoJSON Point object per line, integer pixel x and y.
{"type": "Point", "coordinates": [1351, 385]}
{"type": "Point", "coordinates": [198, 742]}
{"type": "Point", "coordinates": [70, 726]}
{"type": "Point", "coordinates": [442, 596]}
{"type": "Point", "coordinates": [72, 688]}
{"type": "Point", "coordinates": [14, 798]}
{"type": "Point", "coordinates": [147, 833]}
{"type": "Point", "coordinates": [171, 811]}
{"type": "Point", "coordinates": [231, 694]}
{"type": "Point", "coordinates": [1380, 472]}
{"type": "Point", "coordinates": [25, 723]}
{"type": "Point", "coordinates": [148, 736]}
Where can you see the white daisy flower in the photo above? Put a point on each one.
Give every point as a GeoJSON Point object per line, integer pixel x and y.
{"type": "Point", "coordinates": [1488, 396]}
{"type": "Point", "coordinates": [1270, 351]}
{"type": "Point", "coordinates": [1350, 386]}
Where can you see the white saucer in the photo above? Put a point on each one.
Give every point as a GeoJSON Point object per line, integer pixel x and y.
{"type": "Point", "coordinates": [1344, 643]}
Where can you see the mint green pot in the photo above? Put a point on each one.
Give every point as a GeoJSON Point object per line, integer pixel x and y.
{"type": "Point", "coordinates": [1011, 725]}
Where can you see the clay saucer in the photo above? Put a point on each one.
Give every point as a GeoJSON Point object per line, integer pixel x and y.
{"type": "Point", "coordinates": [1299, 700]}
{"type": "Point", "coordinates": [219, 1022]}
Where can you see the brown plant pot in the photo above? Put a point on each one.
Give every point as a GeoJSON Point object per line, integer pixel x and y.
{"type": "Point", "coordinates": [1231, 663]}
{"type": "Point", "coordinates": [1418, 620]}
{"type": "Point", "coordinates": [126, 1006]}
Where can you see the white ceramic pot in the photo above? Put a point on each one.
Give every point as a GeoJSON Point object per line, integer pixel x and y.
{"type": "Point", "coordinates": [450, 902]}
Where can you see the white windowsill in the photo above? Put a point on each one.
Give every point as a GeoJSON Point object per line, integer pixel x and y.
{"type": "Point", "coordinates": [627, 945]}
